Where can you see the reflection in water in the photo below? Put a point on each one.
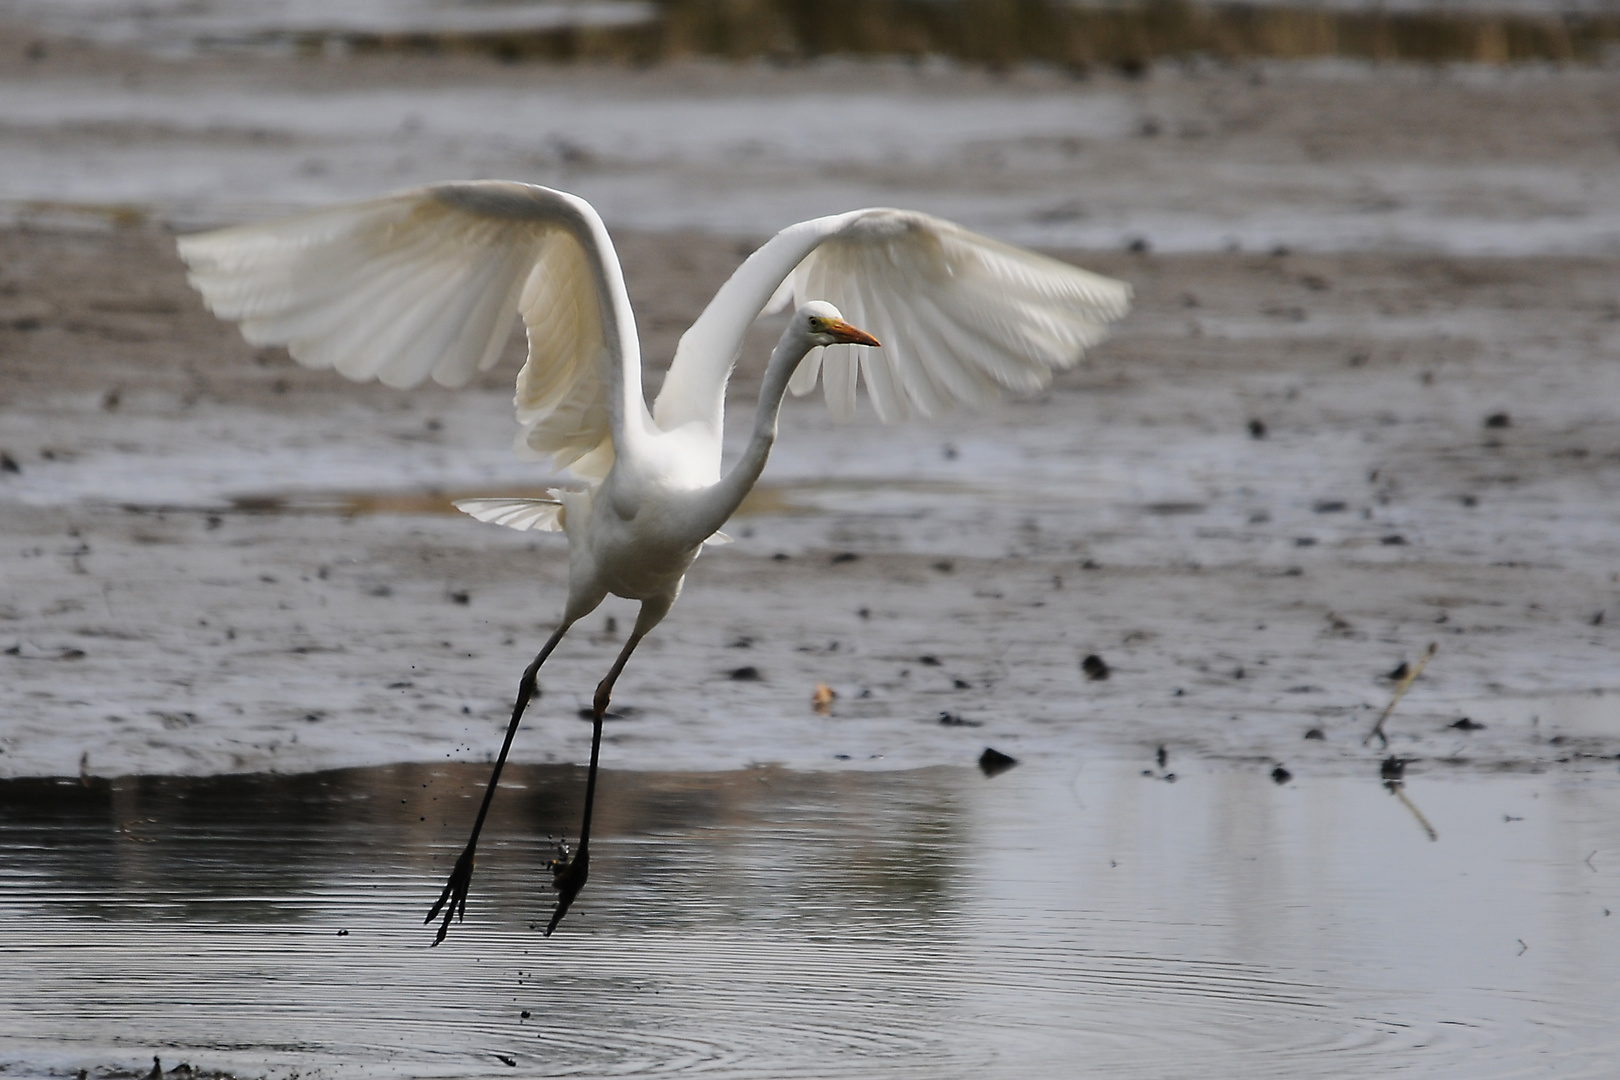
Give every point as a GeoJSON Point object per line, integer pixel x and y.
{"type": "Point", "coordinates": [766, 923]}
{"type": "Point", "coordinates": [1397, 788]}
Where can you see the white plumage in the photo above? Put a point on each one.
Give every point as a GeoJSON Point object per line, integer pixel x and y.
{"type": "Point", "coordinates": [541, 515]}
{"type": "Point", "coordinates": [424, 283]}
{"type": "Point", "coordinates": [961, 316]}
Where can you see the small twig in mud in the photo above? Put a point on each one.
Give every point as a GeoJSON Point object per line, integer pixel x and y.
{"type": "Point", "coordinates": [1400, 691]}
{"type": "Point", "coordinates": [1398, 789]}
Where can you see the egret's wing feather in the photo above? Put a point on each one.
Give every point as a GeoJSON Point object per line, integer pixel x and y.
{"type": "Point", "coordinates": [540, 515]}
{"type": "Point", "coordinates": [806, 375]}
{"type": "Point", "coordinates": [781, 298]}
{"type": "Point", "coordinates": [562, 400]}
{"type": "Point", "coordinates": [694, 389]}
{"type": "Point", "coordinates": [424, 283]}
{"type": "Point", "coordinates": [962, 317]}
{"type": "Point", "coordinates": [361, 288]}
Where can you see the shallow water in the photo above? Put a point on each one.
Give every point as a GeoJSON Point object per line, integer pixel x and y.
{"type": "Point", "coordinates": [1082, 919]}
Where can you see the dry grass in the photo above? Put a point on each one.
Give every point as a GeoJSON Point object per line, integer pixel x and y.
{"type": "Point", "coordinates": [998, 32]}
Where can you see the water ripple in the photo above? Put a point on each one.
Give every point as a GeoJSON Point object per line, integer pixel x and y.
{"type": "Point", "coordinates": [896, 925]}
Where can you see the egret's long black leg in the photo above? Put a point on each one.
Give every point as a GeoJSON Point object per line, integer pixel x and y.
{"type": "Point", "coordinates": [455, 890]}
{"type": "Point", "coordinates": [568, 875]}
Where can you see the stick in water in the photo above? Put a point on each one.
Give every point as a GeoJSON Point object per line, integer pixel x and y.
{"type": "Point", "coordinates": [1400, 692]}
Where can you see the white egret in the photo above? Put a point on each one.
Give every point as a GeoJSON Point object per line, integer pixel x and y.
{"type": "Point", "coordinates": [424, 283]}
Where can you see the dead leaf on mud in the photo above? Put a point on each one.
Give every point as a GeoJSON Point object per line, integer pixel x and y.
{"type": "Point", "coordinates": [822, 699]}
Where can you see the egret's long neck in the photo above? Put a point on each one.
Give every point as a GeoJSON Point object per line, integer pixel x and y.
{"type": "Point", "coordinates": [728, 494]}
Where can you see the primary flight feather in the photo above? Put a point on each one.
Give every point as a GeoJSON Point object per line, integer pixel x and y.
{"type": "Point", "coordinates": [424, 283]}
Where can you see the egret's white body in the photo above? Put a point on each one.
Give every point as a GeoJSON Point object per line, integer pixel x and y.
{"type": "Point", "coordinates": [423, 283]}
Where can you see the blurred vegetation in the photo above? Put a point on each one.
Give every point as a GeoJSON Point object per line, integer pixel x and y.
{"type": "Point", "coordinates": [1125, 35]}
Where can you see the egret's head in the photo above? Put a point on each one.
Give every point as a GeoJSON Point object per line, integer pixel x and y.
{"type": "Point", "coordinates": [824, 325]}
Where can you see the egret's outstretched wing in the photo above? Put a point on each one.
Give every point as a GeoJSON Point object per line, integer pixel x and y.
{"type": "Point", "coordinates": [542, 515]}
{"type": "Point", "coordinates": [961, 316]}
{"type": "Point", "coordinates": [424, 283]}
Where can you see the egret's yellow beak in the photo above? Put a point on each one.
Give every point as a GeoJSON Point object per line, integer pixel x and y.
{"type": "Point", "coordinates": [843, 332]}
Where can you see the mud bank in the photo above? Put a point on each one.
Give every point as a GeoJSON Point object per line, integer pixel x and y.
{"type": "Point", "coordinates": [1287, 475]}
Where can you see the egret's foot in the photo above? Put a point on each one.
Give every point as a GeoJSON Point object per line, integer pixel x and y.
{"type": "Point", "coordinates": [454, 895]}
{"type": "Point", "coordinates": [568, 876]}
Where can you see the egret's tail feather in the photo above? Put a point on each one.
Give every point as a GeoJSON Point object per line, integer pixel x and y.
{"type": "Point", "coordinates": [544, 515]}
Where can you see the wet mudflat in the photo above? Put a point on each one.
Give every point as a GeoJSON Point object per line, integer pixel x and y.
{"type": "Point", "coordinates": [1287, 475]}
{"type": "Point", "coordinates": [1197, 155]}
{"type": "Point", "coordinates": [768, 923]}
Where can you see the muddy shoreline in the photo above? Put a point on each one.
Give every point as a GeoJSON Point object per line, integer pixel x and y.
{"type": "Point", "coordinates": [216, 561]}
{"type": "Point", "coordinates": [1364, 403]}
